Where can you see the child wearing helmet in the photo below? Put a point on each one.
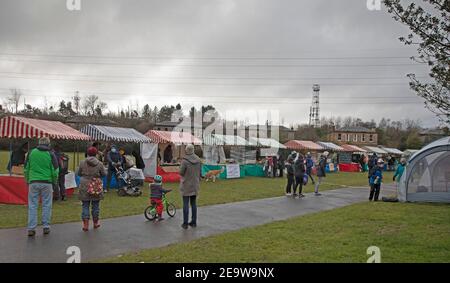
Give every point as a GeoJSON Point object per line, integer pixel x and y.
{"type": "Point", "coordinates": [375, 179]}
{"type": "Point", "coordinates": [156, 194]}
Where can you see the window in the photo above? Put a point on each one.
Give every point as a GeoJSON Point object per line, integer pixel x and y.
{"type": "Point", "coordinates": [355, 137]}
{"type": "Point", "coordinates": [339, 137]}
{"type": "Point", "coordinates": [348, 137]}
{"type": "Point", "coordinates": [363, 137]}
{"type": "Point", "coordinates": [371, 138]}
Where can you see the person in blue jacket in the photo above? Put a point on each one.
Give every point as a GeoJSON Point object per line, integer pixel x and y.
{"type": "Point", "coordinates": [309, 167]}
{"type": "Point", "coordinates": [114, 160]}
{"type": "Point", "coordinates": [375, 180]}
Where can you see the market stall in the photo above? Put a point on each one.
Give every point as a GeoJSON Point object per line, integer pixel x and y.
{"type": "Point", "coordinates": [335, 150]}
{"type": "Point", "coordinates": [242, 156]}
{"type": "Point", "coordinates": [352, 158]}
{"type": "Point", "coordinates": [163, 155]}
{"type": "Point", "coordinates": [115, 135]}
{"type": "Point", "coordinates": [304, 146]}
{"type": "Point", "coordinates": [13, 188]}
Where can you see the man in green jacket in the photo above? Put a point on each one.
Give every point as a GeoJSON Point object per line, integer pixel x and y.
{"type": "Point", "coordinates": [41, 172]}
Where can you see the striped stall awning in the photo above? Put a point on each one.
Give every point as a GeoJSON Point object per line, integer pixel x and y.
{"type": "Point", "coordinates": [266, 142]}
{"type": "Point", "coordinates": [392, 150]}
{"type": "Point", "coordinates": [375, 149]}
{"type": "Point", "coordinates": [103, 133]}
{"type": "Point", "coordinates": [303, 145]}
{"type": "Point", "coordinates": [172, 137]}
{"type": "Point", "coordinates": [353, 148]}
{"type": "Point", "coordinates": [331, 146]}
{"type": "Point", "coordinates": [217, 139]}
{"type": "Point", "coordinates": [20, 127]}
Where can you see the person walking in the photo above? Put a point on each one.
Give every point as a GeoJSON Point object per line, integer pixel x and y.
{"type": "Point", "coordinates": [41, 173]}
{"type": "Point", "coordinates": [321, 172]}
{"type": "Point", "coordinates": [91, 172]}
{"type": "Point", "coordinates": [299, 173]}
{"type": "Point", "coordinates": [289, 176]}
{"type": "Point", "coordinates": [190, 172]}
{"type": "Point", "coordinates": [114, 160]}
{"type": "Point", "coordinates": [309, 167]}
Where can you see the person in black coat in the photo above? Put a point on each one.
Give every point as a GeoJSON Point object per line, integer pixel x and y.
{"type": "Point", "coordinates": [290, 176]}
{"type": "Point", "coordinates": [299, 172]}
{"type": "Point", "coordinates": [281, 164]}
{"type": "Point", "coordinates": [139, 161]}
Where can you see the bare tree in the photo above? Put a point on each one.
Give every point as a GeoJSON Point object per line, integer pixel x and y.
{"type": "Point", "coordinates": [76, 102]}
{"type": "Point", "coordinates": [14, 99]}
{"type": "Point", "coordinates": [89, 104]}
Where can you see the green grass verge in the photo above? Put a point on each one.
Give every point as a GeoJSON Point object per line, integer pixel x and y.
{"type": "Point", "coordinates": [223, 191]}
{"type": "Point", "coordinates": [403, 232]}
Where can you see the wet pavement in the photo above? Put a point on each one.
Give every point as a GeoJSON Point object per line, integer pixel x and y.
{"type": "Point", "coordinates": [134, 233]}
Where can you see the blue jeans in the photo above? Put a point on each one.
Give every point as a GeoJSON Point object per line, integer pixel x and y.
{"type": "Point", "coordinates": [95, 209]}
{"type": "Point", "coordinates": [193, 201]}
{"type": "Point", "coordinates": [45, 191]}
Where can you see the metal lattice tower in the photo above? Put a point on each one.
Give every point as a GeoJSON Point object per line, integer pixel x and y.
{"type": "Point", "coordinates": [314, 119]}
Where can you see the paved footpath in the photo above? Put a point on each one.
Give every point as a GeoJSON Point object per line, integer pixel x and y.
{"type": "Point", "coordinates": [134, 233]}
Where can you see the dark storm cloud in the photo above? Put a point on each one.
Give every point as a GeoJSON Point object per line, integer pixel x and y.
{"type": "Point", "coordinates": [211, 28]}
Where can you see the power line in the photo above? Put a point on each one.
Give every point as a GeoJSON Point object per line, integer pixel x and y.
{"type": "Point", "coordinates": [205, 58]}
{"type": "Point", "coordinates": [207, 78]}
{"type": "Point", "coordinates": [200, 83]}
{"type": "Point", "coordinates": [218, 65]}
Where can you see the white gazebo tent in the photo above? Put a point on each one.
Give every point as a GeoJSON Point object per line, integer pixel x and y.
{"type": "Point", "coordinates": [270, 147]}
{"type": "Point", "coordinates": [213, 149]}
{"type": "Point", "coordinates": [427, 175]}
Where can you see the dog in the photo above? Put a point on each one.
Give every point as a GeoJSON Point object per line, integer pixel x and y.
{"type": "Point", "coordinates": [213, 174]}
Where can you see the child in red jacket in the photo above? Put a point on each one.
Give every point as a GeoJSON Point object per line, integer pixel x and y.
{"type": "Point", "coordinates": [156, 194]}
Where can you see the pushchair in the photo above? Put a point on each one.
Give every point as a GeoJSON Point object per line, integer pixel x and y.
{"type": "Point", "coordinates": [130, 181]}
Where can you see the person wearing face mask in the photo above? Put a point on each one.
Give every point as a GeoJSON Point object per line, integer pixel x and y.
{"type": "Point", "coordinates": [114, 160]}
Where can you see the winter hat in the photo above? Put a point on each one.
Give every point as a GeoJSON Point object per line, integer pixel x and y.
{"type": "Point", "coordinates": [44, 141]}
{"type": "Point", "coordinates": [189, 149]}
{"type": "Point", "coordinates": [326, 153]}
{"type": "Point", "coordinates": [92, 151]}
{"type": "Point", "coordinates": [158, 179]}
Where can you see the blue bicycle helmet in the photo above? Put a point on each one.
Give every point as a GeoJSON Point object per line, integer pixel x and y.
{"type": "Point", "coordinates": [158, 179]}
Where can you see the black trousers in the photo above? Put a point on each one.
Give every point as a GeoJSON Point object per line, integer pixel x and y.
{"type": "Point", "coordinates": [374, 192]}
{"type": "Point", "coordinates": [59, 189]}
{"type": "Point", "coordinates": [290, 184]}
{"type": "Point", "coordinates": [298, 182]}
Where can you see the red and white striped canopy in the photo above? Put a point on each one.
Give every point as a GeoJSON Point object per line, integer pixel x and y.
{"type": "Point", "coordinates": [352, 148]}
{"type": "Point", "coordinates": [303, 145]}
{"type": "Point", "coordinates": [20, 127]}
{"type": "Point", "coordinates": [172, 137]}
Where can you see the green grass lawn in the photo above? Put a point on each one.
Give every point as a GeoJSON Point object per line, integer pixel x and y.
{"type": "Point", "coordinates": [223, 191]}
{"type": "Point", "coordinates": [403, 232]}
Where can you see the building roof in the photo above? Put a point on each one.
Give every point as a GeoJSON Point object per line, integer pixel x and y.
{"type": "Point", "coordinates": [104, 133]}
{"type": "Point", "coordinates": [172, 137]}
{"type": "Point", "coordinates": [303, 145]}
{"type": "Point", "coordinates": [355, 129]}
{"type": "Point", "coordinates": [20, 127]}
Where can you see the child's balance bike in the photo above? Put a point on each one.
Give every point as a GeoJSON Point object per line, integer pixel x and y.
{"type": "Point", "coordinates": [150, 211]}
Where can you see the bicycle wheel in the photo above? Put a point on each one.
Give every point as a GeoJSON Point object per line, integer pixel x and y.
{"type": "Point", "coordinates": [171, 209]}
{"type": "Point", "coordinates": [150, 213]}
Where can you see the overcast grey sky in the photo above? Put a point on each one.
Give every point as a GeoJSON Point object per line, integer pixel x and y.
{"type": "Point", "coordinates": [238, 55]}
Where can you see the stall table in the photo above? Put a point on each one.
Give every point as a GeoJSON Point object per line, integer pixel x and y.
{"type": "Point", "coordinates": [349, 167]}
{"type": "Point", "coordinates": [14, 189]}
